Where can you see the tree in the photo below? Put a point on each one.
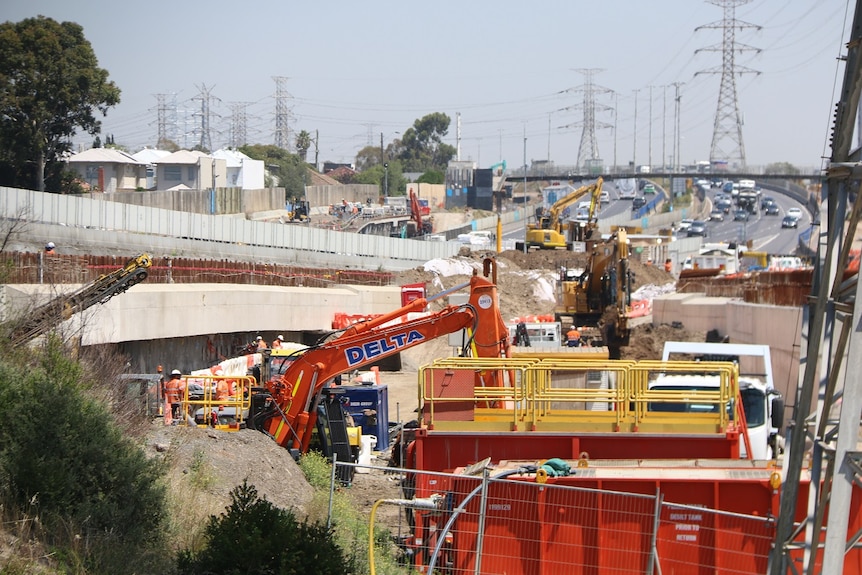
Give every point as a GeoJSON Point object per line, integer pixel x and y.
{"type": "Point", "coordinates": [290, 171]}
{"type": "Point", "coordinates": [781, 168]}
{"type": "Point", "coordinates": [422, 146]}
{"type": "Point", "coordinates": [50, 86]}
{"type": "Point", "coordinates": [303, 143]}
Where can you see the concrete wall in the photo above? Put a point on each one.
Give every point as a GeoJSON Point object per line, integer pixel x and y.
{"type": "Point", "coordinates": [222, 201]}
{"type": "Point", "coordinates": [332, 195]}
{"type": "Point", "coordinates": [779, 327]}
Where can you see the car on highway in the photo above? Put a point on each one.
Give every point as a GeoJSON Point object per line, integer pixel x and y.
{"type": "Point", "coordinates": [794, 212]}
{"type": "Point", "coordinates": [766, 201]}
{"type": "Point", "coordinates": [637, 203]}
{"type": "Point", "coordinates": [697, 228]}
{"type": "Point", "coordinates": [724, 205]}
{"type": "Point", "coordinates": [649, 189]}
{"type": "Point", "coordinates": [772, 210]}
{"type": "Point", "coordinates": [741, 216]}
{"type": "Point", "coordinates": [685, 223]}
{"type": "Point", "coordinates": [605, 197]}
{"type": "Point", "coordinates": [790, 222]}
{"type": "Point", "coordinates": [716, 215]}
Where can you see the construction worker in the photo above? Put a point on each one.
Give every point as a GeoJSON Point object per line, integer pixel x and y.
{"type": "Point", "coordinates": [668, 265]}
{"type": "Point", "coordinates": [49, 248]}
{"type": "Point", "coordinates": [276, 343]}
{"type": "Point", "coordinates": [573, 337]}
{"type": "Point", "coordinates": [261, 344]}
{"type": "Point", "coordinates": [175, 390]}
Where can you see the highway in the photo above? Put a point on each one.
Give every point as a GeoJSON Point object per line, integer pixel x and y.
{"type": "Point", "coordinates": [764, 231]}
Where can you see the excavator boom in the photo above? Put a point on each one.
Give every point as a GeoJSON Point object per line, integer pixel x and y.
{"type": "Point", "coordinates": [296, 393]}
{"type": "Point", "coordinates": [548, 232]}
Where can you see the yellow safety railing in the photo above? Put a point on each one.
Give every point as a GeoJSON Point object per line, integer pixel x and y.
{"type": "Point", "coordinates": [559, 394]}
{"type": "Point", "coordinates": [217, 401]}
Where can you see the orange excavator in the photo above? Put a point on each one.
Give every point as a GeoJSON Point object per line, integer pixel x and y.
{"type": "Point", "coordinates": [288, 407]}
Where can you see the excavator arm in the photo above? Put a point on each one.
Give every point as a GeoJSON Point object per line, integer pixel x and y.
{"type": "Point", "coordinates": [49, 315]}
{"type": "Point", "coordinates": [547, 233]}
{"type": "Point", "coordinates": [296, 393]}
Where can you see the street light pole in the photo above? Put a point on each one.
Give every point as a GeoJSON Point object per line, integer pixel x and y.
{"type": "Point", "coordinates": [525, 190]}
{"type": "Point", "coordinates": [386, 179]}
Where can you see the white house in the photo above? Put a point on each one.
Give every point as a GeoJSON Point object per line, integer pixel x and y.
{"type": "Point", "coordinates": [242, 171]}
{"type": "Point", "coordinates": [109, 170]}
{"type": "Point", "coordinates": [191, 170]}
{"type": "Point", "coordinates": [150, 157]}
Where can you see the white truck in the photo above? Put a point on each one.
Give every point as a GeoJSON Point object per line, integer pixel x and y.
{"type": "Point", "coordinates": [762, 404]}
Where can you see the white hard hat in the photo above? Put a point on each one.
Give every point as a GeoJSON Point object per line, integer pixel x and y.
{"type": "Point", "coordinates": [281, 338]}
{"type": "Point", "coordinates": [50, 245]}
{"type": "Point", "coordinates": [258, 338]}
{"type": "Point", "coordinates": [176, 372]}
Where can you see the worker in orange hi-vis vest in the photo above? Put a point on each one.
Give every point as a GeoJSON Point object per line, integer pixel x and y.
{"type": "Point", "coordinates": [175, 389]}
{"type": "Point", "coordinates": [276, 343]}
{"type": "Point", "coordinates": [261, 344]}
{"type": "Point", "coordinates": [573, 337]}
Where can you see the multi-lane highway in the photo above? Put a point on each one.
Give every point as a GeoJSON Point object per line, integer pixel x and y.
{"type": "Point", "coordinates": [764, 231]}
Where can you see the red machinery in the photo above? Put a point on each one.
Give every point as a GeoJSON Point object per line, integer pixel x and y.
{"type": "Point", "coordinates": [419, 226]}
{"type": "Point", "coordinates": [623, 438]}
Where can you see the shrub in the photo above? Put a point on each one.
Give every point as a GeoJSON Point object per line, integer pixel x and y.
{"type": "Point", "coordinates": [63, 459]}
{"type": "Point", "coordinates": [254, 536]}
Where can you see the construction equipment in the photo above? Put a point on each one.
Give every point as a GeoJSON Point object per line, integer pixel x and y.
{"type": "Point", "coordinates": [548, 232]}
{"type": "Point", "coordinates": [286, 407]}
{"type": "Point", "coordinates": [299, 211]}
{"type": "Point", "coordinates": [597, 298]}
{"type": "Point", "coordinates": [47, 316]}
{"type": "Point", "coordinates": [417, 226]}
{"type": "Point", "coordinates": [682, 430]}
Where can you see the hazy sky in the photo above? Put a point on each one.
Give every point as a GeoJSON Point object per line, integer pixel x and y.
{"type": "Point", "coordinates": [512, 70]}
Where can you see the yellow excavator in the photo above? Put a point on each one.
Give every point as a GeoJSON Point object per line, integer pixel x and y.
{"type": "Point", "coordinates": [597, 298]}
{"type": "Point", "coordinates": [549, 231]}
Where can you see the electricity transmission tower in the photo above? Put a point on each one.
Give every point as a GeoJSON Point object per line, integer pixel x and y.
{"type": "Point", "coordinates": [727, 141]}
{"type": "Point", "coordinates": [282, 113]}
{"type": "Point", "coordinates": [205, 96]}
{"type": "Point", "coordinates": [238, 124]}
{"type": "Point", "coordinates": [588, 151]}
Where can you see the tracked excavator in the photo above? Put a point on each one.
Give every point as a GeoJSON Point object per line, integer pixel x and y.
{"type": "Point", "coordinates": [46, 317]}
{"type": "Point", "coordinates": [597, 299]}
{"type": "Point", "coordinates": [549, 232]}
{"type": "Point", "coordinates": [290, 407]}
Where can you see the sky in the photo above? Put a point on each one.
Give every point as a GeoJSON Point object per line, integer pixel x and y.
{"type": "Point", "coordinates": [511, 75]}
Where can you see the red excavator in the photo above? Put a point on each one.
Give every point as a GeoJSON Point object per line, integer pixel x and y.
{"type": "Point", "coordinates": [291, 406]}
{"type": "Point", "coordinates": [417, 226]}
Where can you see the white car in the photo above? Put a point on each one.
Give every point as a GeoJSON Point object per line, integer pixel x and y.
{"type": "Point", "coordinates": [794, 213]}
{"type": "Point", "coordinates": [685, 224]}
{"type": "Point", "coordinates": [604, 198]}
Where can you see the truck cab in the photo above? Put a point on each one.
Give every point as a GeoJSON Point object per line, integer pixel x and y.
{"type": "Point", "coordinates": [762, 404]}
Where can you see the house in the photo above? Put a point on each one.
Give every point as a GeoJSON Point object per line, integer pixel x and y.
{"type": "Point", "coordinates": [109, 170]}
{"type": "Point", "coordinates": [242, 171]}
{"type": "Point", "coordinates": [193, 169]}
{"type": "Point", "coordinates": [150, 157]}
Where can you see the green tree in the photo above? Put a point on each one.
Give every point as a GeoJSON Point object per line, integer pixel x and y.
{"type": "Point", "coordinates": [289, 170]}
{"type": "Point", "coordinates": [254, 536]}
{"type": "Point", "coordinates": [50, 86]}
{"type": "Point", "coordinates": [422, 146]}
{"type": "Point", "coordinates": [303, 143]}
{"type": "Point", "coordinates": [391, 178]}
{"type": "Point", "coordinates": [432, 177]}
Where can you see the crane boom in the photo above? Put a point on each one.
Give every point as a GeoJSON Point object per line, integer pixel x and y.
{"type": "Point", "coordinates": [49, 315]}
